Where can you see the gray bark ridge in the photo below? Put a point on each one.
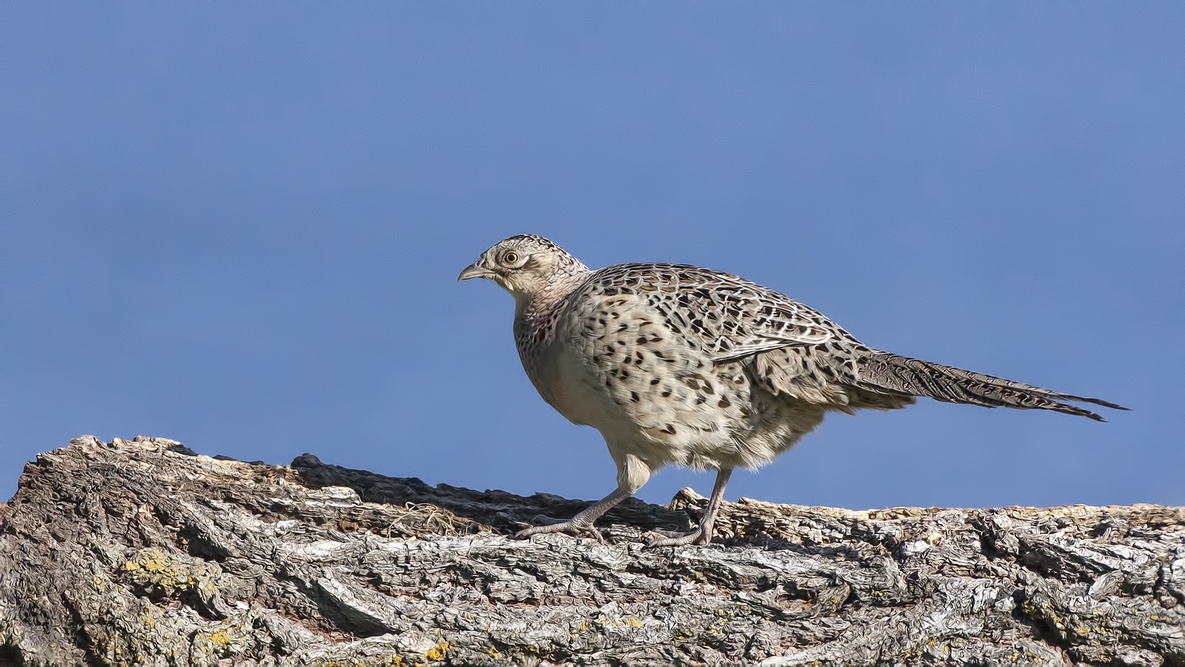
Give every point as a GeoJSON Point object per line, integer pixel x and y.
{"type": "Point", "coordinates": [142, 553]}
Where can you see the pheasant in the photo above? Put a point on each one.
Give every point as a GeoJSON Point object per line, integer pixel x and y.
{"type": "Point", "coordinates": [677, 364]}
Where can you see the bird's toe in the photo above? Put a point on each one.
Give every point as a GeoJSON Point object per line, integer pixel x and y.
{"type": "Point", "coordinates": [667, 538]}
{"type": "Point", "coordinates": [568, 527]}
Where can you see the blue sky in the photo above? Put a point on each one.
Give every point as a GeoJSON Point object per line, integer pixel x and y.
{"type": "Point", "coordinates": [239, 225]}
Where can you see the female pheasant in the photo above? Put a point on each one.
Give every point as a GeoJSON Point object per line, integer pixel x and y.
{"type": "Point", "coordinates": [678, 364]}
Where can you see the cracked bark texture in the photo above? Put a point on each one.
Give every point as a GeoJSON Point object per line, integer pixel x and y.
{"type": "Point", "coordinates": [140, 552]}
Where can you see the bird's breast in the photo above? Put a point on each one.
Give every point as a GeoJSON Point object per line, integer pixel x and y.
{"type": "Point", "coordinates": [562, 377]}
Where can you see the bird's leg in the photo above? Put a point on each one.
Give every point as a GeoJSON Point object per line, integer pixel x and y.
{"type": "Point", "coordinates": [703, 532]}
{"type": "Point", "coordinates": [579, 525]}
{"type": "Point", "coordinates": [632, 473]}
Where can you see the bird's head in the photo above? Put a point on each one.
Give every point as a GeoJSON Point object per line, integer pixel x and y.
{"type": "Point", "coordinates": [526, 265]}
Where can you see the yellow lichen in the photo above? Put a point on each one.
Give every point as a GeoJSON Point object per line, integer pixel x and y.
{"type": "Point", "coordinates": [437, 652]}
{"type": "Point", "coordinates": [155, 568]}
{"type": "Point", "coordinates": [219, 638]}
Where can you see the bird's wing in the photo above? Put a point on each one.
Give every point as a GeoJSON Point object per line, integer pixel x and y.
{"type": "Point", "coordinates": [724, 316]}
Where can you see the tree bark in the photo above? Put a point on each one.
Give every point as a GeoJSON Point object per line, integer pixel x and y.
{"type": "Point", "coordinates": [141, 552]}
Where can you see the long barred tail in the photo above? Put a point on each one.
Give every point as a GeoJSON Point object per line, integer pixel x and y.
{"type": "Point", "coordinates": [884, 371]}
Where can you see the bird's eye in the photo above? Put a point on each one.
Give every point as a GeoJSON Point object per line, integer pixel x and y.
{"type": "Point", "coordinates": [510, 258]}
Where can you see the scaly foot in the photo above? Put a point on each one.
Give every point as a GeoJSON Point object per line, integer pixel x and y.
{"type": "Point", "coordinates": [566, 526]}
{"type": "Point", "coordinates": [674, 539]}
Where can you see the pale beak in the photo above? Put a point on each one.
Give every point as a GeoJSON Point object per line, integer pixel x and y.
{"type": "Point", "coordinates": [474, 271]}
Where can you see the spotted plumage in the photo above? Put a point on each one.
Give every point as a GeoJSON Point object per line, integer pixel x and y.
{"type": "Point", "coordinates": [676, 364]}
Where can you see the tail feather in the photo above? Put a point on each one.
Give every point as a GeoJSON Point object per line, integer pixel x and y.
{"type": "Point", "coordinates": [896, 373]}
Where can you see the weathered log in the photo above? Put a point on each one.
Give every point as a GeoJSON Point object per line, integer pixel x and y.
{"type": "Point", "coordinates": [140, 552]}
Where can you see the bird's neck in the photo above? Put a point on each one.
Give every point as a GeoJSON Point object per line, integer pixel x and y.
{"type": "Point", "coordinates": [535, 313]}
